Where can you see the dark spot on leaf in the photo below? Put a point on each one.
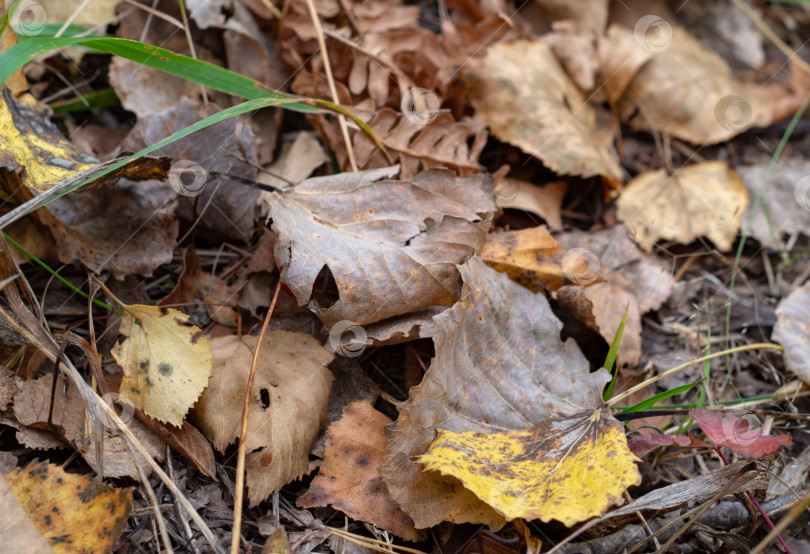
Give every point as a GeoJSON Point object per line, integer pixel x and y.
{"type": "Point", "coordinates": [264, 396]}
{"type": "Point", "coordinates": [163, 311]}
{"type": "Point", "coordinates": [196, 336]}
{"type": "Point", "coordinates": [165, 369]}
{"type": "Point", "coordinates": [362, 462]}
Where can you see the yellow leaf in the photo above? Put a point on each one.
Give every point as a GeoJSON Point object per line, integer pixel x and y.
{"type": "Point", "coordinates": [530, 257]}
{"type": "Point", "coordinates": [167, 361]}
{"type": "Point", "coordinates": [706, 199]}
{"type": "Point", "coordinates": [72, 512]}
{"type": "Point", "coordinates": [569, 468]}
{"type": "Point", "coordinates": [32, 142]}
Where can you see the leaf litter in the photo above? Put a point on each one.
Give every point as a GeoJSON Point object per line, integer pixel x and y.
{"type": "Point", "coordinates": [530, 182]}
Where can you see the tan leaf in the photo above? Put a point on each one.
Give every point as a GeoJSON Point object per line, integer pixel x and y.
{"type": "Point", "coordinates": [530, 257]}
{"type": "Point", "coordinates": [288, 407]}
{"type": "Point", "coordinates": [545, 201]}
{"type": "Point", "coordinates": [792, 331]}
{"type": "Point", "coordinates": [701, 200]}
{"type": "Point", "coordinates": [75, 513]}
{"type": "Point", "coordinates": [529, 101]}
{"type": "Point", "coordinates": [349, 479]}
{"type": "Point", "coordinates": [392, 246]}
{"type": "Point", "coordinates": [167, 361]}
{"type": "Point", "coordinates": [500, 366]}
{"type": "Point", "coordinates": [662, 79]}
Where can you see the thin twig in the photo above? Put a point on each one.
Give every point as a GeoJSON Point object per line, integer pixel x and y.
{"type": "Point", "coordinates": [240, 460]}
{"type": "Point", "coordinates": [327, 67]}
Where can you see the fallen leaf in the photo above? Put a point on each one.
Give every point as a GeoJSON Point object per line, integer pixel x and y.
{"type": "Point", "coordinates": [395, 255]}
{"type": "Point", "coordinates": [641, 445]}
{"type": "Point", "coordinates": [73, 512]}
{"type": "Point", "coordinates": [195, 285]}
{"type": "Point", "coordinates": [784, 205]}
{"type": "Point", "coordinates": [167, 361]}
{"type": "Point", "coordinates": [740, 434]}
{"type": "Point", "coordinates": [545, 201]}
{"type": "Point", "coordinates": [792, 330]}
{"type": "Point", "coordinates": [34, 146]}
{"type": "Point", "coordinates": [94, 13]}
{"type": "Point", "coordinates": [662, 79]}
{"type": "Point", "coordinates": [530, 257]}
{"type": "Point", "coordinates": [537, 108]}
{"type": "Point", "coordinates": [32, 405]}
{"type": "Point", "coordinates": [706, 199]}
{"type": "Point", "coordinates": [497, 369]}
{"type": "Point", "coordinates": [17, 532]}
{"type": "Point", "coordinates": [349, 479]}
{"type": "Point", "coordinates": [569, 467]}
{"type": "Point", "coordinates": [288, 407]}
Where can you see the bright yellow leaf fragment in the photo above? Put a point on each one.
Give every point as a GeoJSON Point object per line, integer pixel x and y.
{"type": "Point", "coordinates": [167, 361]}
{"type": "Point", "coordinates": [73, 512]}
{"type": "Point", "coordinates": [569, 468]}
{"type": "Point", "coordinates": [33, 143]}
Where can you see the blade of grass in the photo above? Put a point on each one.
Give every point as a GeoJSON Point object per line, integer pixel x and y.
{"type": "Point", "coordinates": [53, 272]}
{"type": "Point", "coordinates": [98, 99]}
{"type": "Point", "coordinates": [612, 353]}
{"type": "Point", "coordinates": [652, 401]}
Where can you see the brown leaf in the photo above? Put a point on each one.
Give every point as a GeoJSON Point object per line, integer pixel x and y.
{"type": "Point", "coordinates": [706, 199]}
{"type": "Point", "coordinates": [545, 201]}
{"type": "Point", "coordinates": [530, 257]}
{"type": "Point", "coordinates": [499, 366]}
{"type": "Point", "coordinates": [792, 331]}
{"type": "Point", "coordinates": [288, 407]}
{"type": "Point", "coordinates": [537, 108]}
{"type": "Point", "coordinates": [395, 255]}
{"type": "Point", "coordinates": [682, 88]}
{"type": "Point", "coordinates": [349, 479]}
{"type": "Point", "coordinates": [17, 532]}
{"type": "Point", "coordinates": [32, 405]}
{"type": "Point", "coordinates": [195, 285]}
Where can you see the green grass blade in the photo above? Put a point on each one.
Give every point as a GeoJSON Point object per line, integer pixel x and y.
{"type": "Point", "coordinates": [652, 401]}
{"type": "Point", "coordinates": [612, 353]}
{"type": "Point", "coordinates": [103, 98]}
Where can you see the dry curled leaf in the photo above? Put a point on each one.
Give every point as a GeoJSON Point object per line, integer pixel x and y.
{"type": "Point", "coordinates": [392, 246]}
{"type": "Point", "coordinates": [167, 361]}
{"type": "Point", "coordinates": [530, 257]}
{"type": "Point", "coordinates": [701, 200]}
{"type": "Point", "coordinates": [569, 467]}
{"type": "Point", "coordinates": [500, 366]}
{"type": "Point", "coordinates": [73, 512]}
{"type": "Point", "coordinates": [288, 406]}
{"type": "Point", "coordinates": [536, 107]}
{"type": "Point", "coordinates": [349, 479]}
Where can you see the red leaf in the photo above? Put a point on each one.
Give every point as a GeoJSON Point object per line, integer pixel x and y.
{"type": "Point", "coordinates": [641, 445]}
{"type": "Point", "coordinates": [740, 434]}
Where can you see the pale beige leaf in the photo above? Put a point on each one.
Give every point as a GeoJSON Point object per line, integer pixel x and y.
{"type": "Point", "coordinates": [701, 200]}
{"type": "Point", "coordinates": [529, 101]}
{"type": "Point", "coordinates": [167, 361]}
{"type": "Point", "coordinates": [792, 331]}
{"type": "Point", "coordinates": [287, 408]}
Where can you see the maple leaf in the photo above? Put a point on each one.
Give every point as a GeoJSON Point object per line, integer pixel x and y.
{"type": "Point", "coordinates": [568, 467]}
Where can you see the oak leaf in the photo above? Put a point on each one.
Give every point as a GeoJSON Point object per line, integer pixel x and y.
{"type": "Point", "coordinates": [706, 199]}
{"type": "Point", "coordinates": [73, 512]}
{"type": "Point", "coordinates": [568, 467]}
{"type": "Point", "coordinates": [392, 246]}
{"type": "Point", "coordinates": [349, 479]}
{"type": "Point", "coordinates": [167, 361]}
{"type": "Point", "coordinates": [288, 407]}
{"type": "Point", "coordinates": [500, 366]}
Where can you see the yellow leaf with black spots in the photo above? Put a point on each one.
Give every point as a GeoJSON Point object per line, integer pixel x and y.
{"type": "Point", "coordinates": [72, 512]}
{"type": "Point", "coordinates": [167, 361]}
{"type": "Point", "coordinates": [569, 467]}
